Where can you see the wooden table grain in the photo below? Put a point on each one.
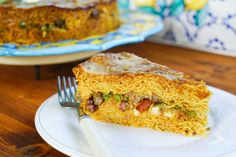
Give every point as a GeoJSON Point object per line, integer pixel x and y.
{"type": "Point", "coordinates": [21, 94]}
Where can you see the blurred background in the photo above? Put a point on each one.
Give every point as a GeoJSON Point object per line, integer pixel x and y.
{"type": "Point", "coordinates": [199, 24]}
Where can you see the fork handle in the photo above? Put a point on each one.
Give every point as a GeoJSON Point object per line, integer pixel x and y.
{"type": "Point", "coordinates": [100, 149]}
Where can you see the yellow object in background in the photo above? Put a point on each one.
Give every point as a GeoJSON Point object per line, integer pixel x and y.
{"type": "Point", "coordinates": [140, 3]}
{"type": "Point", "coordinates": [189, 4]}
{"type": "Point", "coordinates": [195, 4]}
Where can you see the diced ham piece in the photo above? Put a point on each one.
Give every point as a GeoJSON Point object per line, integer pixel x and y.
{"type": "Point", "coordinates": [123, 106]}
{"type": "Point", "coordinates": [91, 108]}
{"type": "Point", "coordinates": [89, 102]}
{"type": "Point", "coordinates": [144, 105]}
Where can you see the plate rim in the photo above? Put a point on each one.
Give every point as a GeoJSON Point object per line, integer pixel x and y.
{"type": "Point", "coordinates": [51, 141]}
{"type": "Point", "coordinates": [46, 60]}
{"type": "Point", "coordinates": [71, 152]}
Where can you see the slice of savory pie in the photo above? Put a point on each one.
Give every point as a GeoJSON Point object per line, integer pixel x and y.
{"type": "Point", "coordinates": [125, 89]}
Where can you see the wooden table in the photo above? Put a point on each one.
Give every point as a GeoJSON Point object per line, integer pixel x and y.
{"type": "Point", "coordinates": [21, 94]}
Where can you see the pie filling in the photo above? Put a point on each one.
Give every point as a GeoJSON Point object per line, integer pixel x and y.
{"type": "Point", "coordinates": [139, 104]}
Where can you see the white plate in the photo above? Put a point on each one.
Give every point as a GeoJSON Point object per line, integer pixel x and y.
{"type": "Point", "coordinates": [60, 128]}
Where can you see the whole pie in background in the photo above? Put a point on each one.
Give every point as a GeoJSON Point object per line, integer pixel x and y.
{"type": "Point", "coordinates": [24, 22]}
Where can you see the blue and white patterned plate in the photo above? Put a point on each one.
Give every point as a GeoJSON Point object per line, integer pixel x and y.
{"type": "Point", "coordinates": [135, 28]}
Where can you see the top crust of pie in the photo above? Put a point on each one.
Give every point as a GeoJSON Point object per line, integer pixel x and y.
{"type": "Point", "coordinates": [120, 63]}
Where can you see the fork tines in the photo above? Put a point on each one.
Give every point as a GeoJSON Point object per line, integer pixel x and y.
{"type": "Point", "coordinates": [66, 91]}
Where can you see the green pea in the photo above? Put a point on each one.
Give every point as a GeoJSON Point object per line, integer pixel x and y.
{"type": "Point", "coordinates": [106, 97]}
{"type": "Point", "coordinates": [47, 27]}
{"type": "Point", "coordinates": [44, 28]}
{"type": "Point", "coordinates": [118, 97]}
{"type": "Point", "coordinates": [51, 26]}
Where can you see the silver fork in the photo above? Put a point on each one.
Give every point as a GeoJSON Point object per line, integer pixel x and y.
{"type": "Point", "coordinates": [67, 98]}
